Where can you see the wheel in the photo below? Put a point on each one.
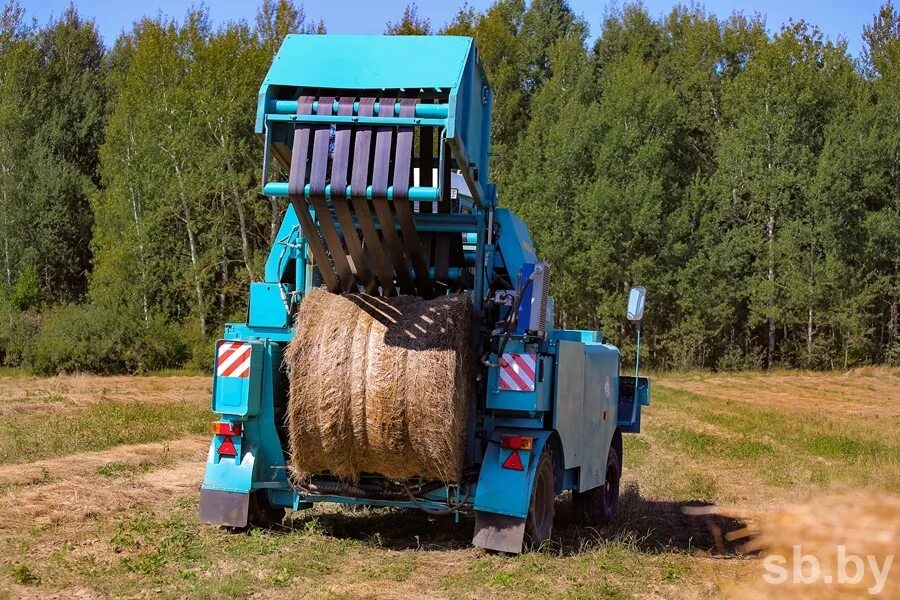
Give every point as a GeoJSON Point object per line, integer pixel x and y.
{"type": "Point", "coordinates": [599, 506]}
{"type": "Point", "coordinates": [539, 522]}
{"type": "Point", "coordinates": [262, 513]}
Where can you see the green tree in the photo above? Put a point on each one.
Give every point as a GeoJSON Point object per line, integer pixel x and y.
{"type": "Point", "coordinates": [181, 226]}
{"type": "Point", "coordinates": [68, 103]}
{"type": "Point", "coordinates": [516, 42]}
{"type": "Point", "coordinates": [751, 182]}
{"type": "Point", "coordinates": [778, 107]}
{"type": "Point", "coordinates": [463, 23]}
{"type": "Point", "coordinates": [277, 18]}
{"type": "Point", "coordinates": [149, 163]}
{"type": "Point", "coordinates": [19, 63]}
{"type": "Point", "coordinates": [882, 178]}
{"type": "Point", "coordinates": [410, 23]}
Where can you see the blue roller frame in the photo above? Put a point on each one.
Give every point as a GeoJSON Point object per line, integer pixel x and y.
{"type": "Point", "coordinates": [430, 63]}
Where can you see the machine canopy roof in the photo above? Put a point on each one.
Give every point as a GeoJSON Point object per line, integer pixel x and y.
{"type": "Point", "coordinates": [370, 62]}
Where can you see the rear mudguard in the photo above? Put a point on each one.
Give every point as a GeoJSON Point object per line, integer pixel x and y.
{"type": "Point", "coordinates": [225, 494]}
{"type": "Point", "coordinates": [502, 495]}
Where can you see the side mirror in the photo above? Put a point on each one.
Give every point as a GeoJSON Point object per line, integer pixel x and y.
{"type": "Point", "coordinates": [636, 303]}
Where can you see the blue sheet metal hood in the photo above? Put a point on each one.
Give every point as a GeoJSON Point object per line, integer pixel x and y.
{"type": "Point", "coordinates": [370, 61]}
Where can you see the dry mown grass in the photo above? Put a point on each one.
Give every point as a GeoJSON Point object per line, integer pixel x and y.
{"type": "Point", "coordinates": [65, 392]}
{"type": "Point", "coordinates": [865, 392]}
{"type": "Point", "coordinates": [69, 414]}
{"type": "Point", "coordinates": [122, 521]}
{"type": "Point", "coordinates": [80, 498]}
{"type": "Point", "coordinates": [119, 461]}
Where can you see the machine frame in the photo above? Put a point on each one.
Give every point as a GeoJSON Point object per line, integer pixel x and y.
{"type": "Point", "coordinates": [542, 391]}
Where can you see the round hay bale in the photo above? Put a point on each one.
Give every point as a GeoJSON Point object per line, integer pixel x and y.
{"type": "Point", "coordinates": [357, 374]}
{"type": "Point", "coordinates": [379, 385]}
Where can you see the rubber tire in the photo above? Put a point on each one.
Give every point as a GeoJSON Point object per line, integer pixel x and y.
{"type": "Point", "coordinates": [599, 506]}
{"type": "Point", "coordinates": [541, 509]}
{"type": "Point", "coordinates": [262, 513]}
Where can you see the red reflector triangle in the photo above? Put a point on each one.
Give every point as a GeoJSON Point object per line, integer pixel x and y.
{"type": "Point", "coordinates": [513, 462]}
{"type": "Point", "coordinates": [226, 448]}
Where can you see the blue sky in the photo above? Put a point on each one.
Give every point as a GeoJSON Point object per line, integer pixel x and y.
{"type": "Point", "coordinates": [836, 18]}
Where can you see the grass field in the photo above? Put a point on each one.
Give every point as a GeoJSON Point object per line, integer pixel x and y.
{"type": "Point", "coordinates": [99, 481]}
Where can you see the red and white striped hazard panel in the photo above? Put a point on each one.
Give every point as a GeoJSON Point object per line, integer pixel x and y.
{"type": "Point", "coordinates": [233, 359]}
{"type": "Point", "coordinates": [517, 372]}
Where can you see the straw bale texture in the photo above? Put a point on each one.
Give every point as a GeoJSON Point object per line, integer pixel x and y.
{"type": "Point", "coordinates": [864, 523]}
{"type": "Point", "coordinates": [379, 385]}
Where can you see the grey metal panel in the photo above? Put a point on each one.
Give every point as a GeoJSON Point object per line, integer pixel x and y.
{"type": "Point", "coordinates": [601, 393]}
{"type": "Point", "coordinates": [316, 245]}
{"type": "Point", "coordinates": [380, 175]}
{"type": "Point", "coordinates": [402, 172]}
{"type": "Point", "coordinates": [321, 140]}
{"type": "Point", "coordinates": [224, 508]}
{"type": "Point", "coordinates": [569, 413]}
{"type": "Point", "coordinates": [359, 178]}
{"type": "Point", "coordinates": [498, 532]}
{"type": "Point", "coordinates": [358, 183]}
{"type": "Point", "coordinates": [296, 183]}
{"type": "Point", "coordinates": [300, 150]}
{"type": "Point", "coordinates": [317, 178]}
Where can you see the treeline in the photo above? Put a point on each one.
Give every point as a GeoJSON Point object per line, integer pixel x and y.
{"type": "Point", "coordinates": [750, 181]}
{"type": "Point", "coordinates": [130, 213]}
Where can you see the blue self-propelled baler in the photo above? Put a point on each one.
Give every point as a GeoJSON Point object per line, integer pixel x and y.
{"type": "Point", "coordinates": [388, 137]}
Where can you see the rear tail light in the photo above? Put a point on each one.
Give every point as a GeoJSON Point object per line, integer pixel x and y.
{"type": "Point", "coordinates": [226, 448]}
{"type": "Point", "coordinates": [226, 428]}
{"type": "Point", "coordinates": [228, 431]}
{"type": "Point", "coordinates": [516, 442]}
{"type": "Point", "coordinates": [513, 461]}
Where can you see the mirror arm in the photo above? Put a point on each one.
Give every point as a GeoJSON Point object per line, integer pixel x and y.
{"type": "Point", "coordinates": [637, 358]}
{"type": "Point", "coordinates": [636, 314]}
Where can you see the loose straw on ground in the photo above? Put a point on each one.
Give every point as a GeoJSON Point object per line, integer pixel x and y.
{"type": "Point", "coordinates": [861, 524]}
